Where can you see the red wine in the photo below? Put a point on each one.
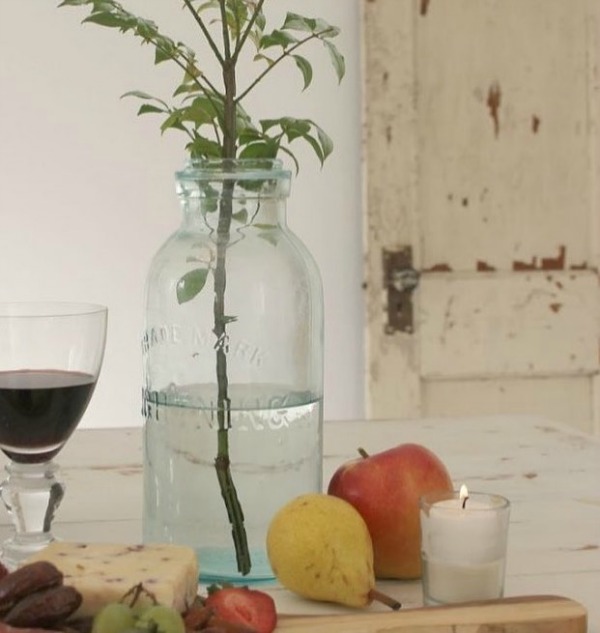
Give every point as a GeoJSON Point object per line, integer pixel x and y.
{"type": "Point", "coordinates": [39, 409]}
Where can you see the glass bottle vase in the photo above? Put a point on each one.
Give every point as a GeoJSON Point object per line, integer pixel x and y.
{"type": "Point", "coordinates": [233, 369]}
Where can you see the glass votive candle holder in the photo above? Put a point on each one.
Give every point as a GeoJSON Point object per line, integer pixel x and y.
{"type": "Point", "coordinates": [463, 546]}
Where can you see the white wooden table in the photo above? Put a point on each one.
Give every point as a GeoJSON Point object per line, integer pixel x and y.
{"type": "Point", "coordinates": [550, 473]}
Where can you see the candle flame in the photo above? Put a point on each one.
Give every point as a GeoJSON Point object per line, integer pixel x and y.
{"type": "Point", "coordinates": [463, 495]}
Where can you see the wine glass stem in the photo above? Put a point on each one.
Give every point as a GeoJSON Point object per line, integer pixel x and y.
{"type": "Point", "coordinates": [31, 494]}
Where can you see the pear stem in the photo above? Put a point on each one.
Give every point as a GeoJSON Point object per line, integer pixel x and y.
{"type": "Point", "coordinates": [362, 452]}
{"type": "Point", "coordinates": [390, 602]}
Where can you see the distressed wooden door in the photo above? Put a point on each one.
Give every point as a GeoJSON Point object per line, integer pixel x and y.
{"type": "Point", "coordinates": [481, 149]}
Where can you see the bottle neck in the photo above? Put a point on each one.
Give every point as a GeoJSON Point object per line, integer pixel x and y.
{"type": "Point", "coordinates": [203, 214]}
{"type": "Point", "coordinates": [219, 194]}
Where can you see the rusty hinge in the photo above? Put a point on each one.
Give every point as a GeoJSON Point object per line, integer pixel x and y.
{"type": "Point", "coordinates": [399, 279]}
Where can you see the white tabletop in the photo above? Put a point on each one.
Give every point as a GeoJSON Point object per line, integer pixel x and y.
{"type": "Point", "coordinates": [550, 473]}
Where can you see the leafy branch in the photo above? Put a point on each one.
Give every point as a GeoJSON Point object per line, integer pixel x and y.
{"type": "Point", "coordinates": [218, 127]}
{"type": "Point", "coordinates": [200, 113]}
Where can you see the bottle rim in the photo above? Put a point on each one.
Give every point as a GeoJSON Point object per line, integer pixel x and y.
{"type": "Point", "coordinates": [237, 169]}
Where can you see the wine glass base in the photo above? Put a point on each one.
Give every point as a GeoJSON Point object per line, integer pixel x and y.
{"type": "Point", "coordinates": [31, 494]}
{"type": "Point", "coordinates": [19, 548]}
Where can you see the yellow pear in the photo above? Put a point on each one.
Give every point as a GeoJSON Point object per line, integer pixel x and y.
{"type": "Point", "coordinates": [320, 548]}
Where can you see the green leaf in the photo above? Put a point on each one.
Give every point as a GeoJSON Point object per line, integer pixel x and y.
{"type": "Point", "coordinates": [145, 29]}
{"type": "Point", "coordinates": [325, 140]}
{"type": "Point", "coordinates": [277, 38]}
{"type": "Point", "coordinates": [106, 19]}
{"type": "Point", "coordinates": [202, 147]}
{"type": "Point", "coordinates": [294, 128]}
{"type": "Point", "coordinates": [73, 3]}
{"type": "Point", "coordinates": [269, 237]}
{"type": "Point", "coordinates": [192, 72]}
{"type": "Point", "coordinates": [161, 55]}
{"type": "Point", "coordinates": [212, 106]}
{"type": "Point", "coordinates": [305, 68]}
{"type": "Point", "coordinates": [297, 22]}
{"type": "Point", "coordinates": [312, 141]}
{"type": "Point", "coordinates": [249, 135]}
{"type": "Point", "coordinates": [236, 15]}
{"type": "Point", "coordinates": [166, 49]}
{"type": "Point", "coordinates": [261, 21]}
{"type": "Point", "coordinates": [264, 226]}
{"type": "Point", "coordinates": [326, 30]}
{"type": "Point", "coordinates": [244, 123]}
{"type": "Point", "coordinates": [186, 88]}
{"type": "Point", "coordinates": [142, 95]}
{"type": "Point", "coordinates": [211, 4]}
{"type": "Point", "coordinates": [260, 57]}
{"type": "Point", "coordinates": [261, 149]}
{"type": "Point", "coordinates": [104, 5]}
{"type": "Point", "coordinates": [201, 111]}
{"type": "Point", "coordinates": [289, 152]}
{"type": "Point", "coordinates": [241, 216]}
{"type": "Point", "coordinates": [337, 59]}
{"type": "Point", "coordinates": [267, 124]}
{"type": "Point", "coordinates": [146, 97]}
{"type": "Point", "coordinates": [191, 284]}
{"type": "Point", "coordinates": [147, 108]}
{"type": "Point", "coordinates": [173, 121]}
{"type": "Point", "coordinates": [137, 93]}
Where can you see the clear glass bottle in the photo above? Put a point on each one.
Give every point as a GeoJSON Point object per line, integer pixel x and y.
{"type": "Point", "coordinates": [233, 367]}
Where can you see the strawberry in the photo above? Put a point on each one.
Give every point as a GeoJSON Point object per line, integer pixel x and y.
{"type": "Point", "coordinates": [250, 607]}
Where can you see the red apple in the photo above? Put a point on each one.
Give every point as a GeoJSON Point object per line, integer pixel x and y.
{"type": "Point", "coordinates": [385, 489]}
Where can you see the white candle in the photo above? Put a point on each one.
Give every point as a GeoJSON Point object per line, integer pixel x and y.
{"type": "Point", "coordinates": [452, 582]}
{"type": "Point", "coordinates": [463, 546]}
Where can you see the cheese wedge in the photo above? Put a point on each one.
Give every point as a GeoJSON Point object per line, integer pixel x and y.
{"type": "Point", "coordinates": [104, 572]}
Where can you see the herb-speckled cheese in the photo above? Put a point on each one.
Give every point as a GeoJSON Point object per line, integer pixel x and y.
{"type": "Point", "coordinates": [104, 572]}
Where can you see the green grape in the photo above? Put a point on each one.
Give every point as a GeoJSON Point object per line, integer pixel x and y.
{"type": "Point", "coordinates": [115, 617]}
{"type": "Point", "coordinates": [161, 619]}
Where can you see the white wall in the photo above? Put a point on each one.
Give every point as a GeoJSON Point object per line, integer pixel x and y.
{"type": "Point", "coordinates": [86, 187]}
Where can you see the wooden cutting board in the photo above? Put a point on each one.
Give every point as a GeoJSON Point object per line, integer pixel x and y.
{"type": "Point", "coordinates": [524, 614]}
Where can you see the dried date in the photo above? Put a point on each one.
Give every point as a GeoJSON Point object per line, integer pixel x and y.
{"type": "Point", "coordinates": [7, 628]}
{"type": "Point", "coordinates": [26, 580]}
{"type": "Point", "coordinates": [45, 608]}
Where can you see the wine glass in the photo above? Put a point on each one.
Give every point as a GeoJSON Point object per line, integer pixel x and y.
{"type": "Point", "coordinates": [50, 358]}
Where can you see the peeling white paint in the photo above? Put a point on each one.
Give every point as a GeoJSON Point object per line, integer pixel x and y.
{"type": "Point", "coordinates": [482, 154]}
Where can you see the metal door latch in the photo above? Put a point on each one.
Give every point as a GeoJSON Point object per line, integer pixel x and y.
{"type": "Point", "coordinates": [400, 280]}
